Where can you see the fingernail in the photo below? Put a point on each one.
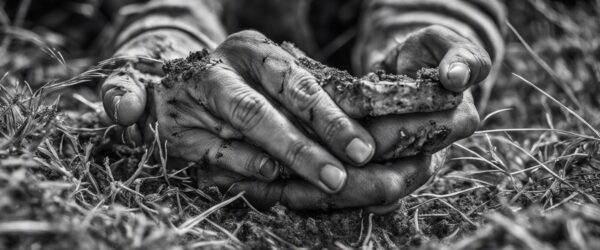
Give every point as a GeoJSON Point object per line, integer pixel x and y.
{"type": "Point", "coordinates": [333, 177]}
{"type": "Point", "coordinates": [459, 74]}
{"type": "Point", "coordinates": [268, 168]}
{"type": "Point", "coordinates": [358, 150]}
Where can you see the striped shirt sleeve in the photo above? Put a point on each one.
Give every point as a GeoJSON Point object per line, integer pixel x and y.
{"type": "Point", "coordinates": [198, 18]}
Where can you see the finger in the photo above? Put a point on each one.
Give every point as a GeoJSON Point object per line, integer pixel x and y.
{"type": "Point", "coordinates": [124, 92]}
{"type": "Point", "coordinates": [224, 93]}
{"type": "Point", "coordinates": [234, 156]}
{"type": "Point", "coordinates": [409, 57]}
{"type": "Point", "coordinates": [462, 63]}
{"type": "Point", "coordinates": [383, 209]}
{"type": "Point", "coordinates": [294, 87]}
{"type": "Point", "coordinates": [375, 184]}
{"type": "Point", "coordinates": [123, 97]}
{"type": "Point", "coordinates": [404, 135]}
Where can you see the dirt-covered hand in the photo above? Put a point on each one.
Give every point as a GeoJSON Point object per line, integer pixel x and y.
{"type": "Point", "coordinates": [124, 91]}
{"type": "Point", "coordinates": [128, 104]}
{"type": "Point", "coordinates": [376, 187]}
{"type": "Point", "coordinates": [461, 62]}
{"type": "Point", "coordinates": [257, 88]}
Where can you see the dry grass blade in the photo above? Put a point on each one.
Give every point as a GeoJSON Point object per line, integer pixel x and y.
{"type": "Point", "coordinates": [369, 231]}
{"type": "Point", "coordinates": [536, 160]}
{"type": "Point", "coordinates": [549, 161]}
{"type": "Point", "coordinates": [416, 222]}
{"type": "Point", "coordinates": [225, 231]}
{"type": "Point", "coordinates": [207, 244]}
{"type": "Point", "coordinates": [440, 196]}
{"type": "Point", "coordinates": [565, 200]}
{"type": "Point", "coordinates": [463, 215]}
{"type": "Point", "coordinates": [560, 104]}
{"type": "Point", "coordinates": [545, 66]}
{"type": "Point", "coordinates": [488, 116]}
{"type": "Point", "coordinates": [28, 227]}
{"type": "Point", "coordinates": [285, 242]}
{"type": "Point", "coordinates": [587, 196]}
{"type": "Point", "coordinates": [518, 232]}
{"type": "Point", "coordinates": [559, 131]}
{"type": "Point", "coordinates": [189, 224]}
{"type": "Point", "coordinates": [480, 157]}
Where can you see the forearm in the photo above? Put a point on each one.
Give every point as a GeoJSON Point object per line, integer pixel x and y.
{"type": "Point", "coordinates": [386, 23]}
{"type": "Point", "coordinates": [194, 20]}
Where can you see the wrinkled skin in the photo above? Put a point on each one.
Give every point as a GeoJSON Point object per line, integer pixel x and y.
{"type": "Point", "coordinates": [234, 117]}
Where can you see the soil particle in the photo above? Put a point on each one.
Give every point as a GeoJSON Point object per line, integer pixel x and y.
{"type": "Point", "coordinates": [423, 140]}
{"type": "Point", "coordinates": [184, 69]}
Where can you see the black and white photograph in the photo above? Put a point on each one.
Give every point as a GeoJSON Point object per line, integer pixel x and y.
{"type": "Point", "coordinates": [299, 124]}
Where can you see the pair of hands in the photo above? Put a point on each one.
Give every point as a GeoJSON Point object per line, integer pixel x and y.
{"type": "Point", "coordinates": [254, 111]}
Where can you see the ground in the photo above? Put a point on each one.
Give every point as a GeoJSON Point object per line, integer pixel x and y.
{"type": "Point", "coordinates": [527, 179]}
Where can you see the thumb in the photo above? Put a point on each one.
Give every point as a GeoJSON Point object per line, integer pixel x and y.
{"type": "Point", "coordinates": [124, 97]}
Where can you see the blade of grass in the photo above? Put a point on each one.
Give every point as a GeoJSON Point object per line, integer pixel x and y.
{"type": "Point", "coordinates": [560, 104]}
{"type": "Point", "coordinates": [545, 66]}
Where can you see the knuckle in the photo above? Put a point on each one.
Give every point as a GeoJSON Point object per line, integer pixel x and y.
{"type": "Point", "coordinates": [252, 163]}
{"type": "Point", "coordinates": [297, 152]}
{"type": "Point", "coordinates": [251, 34]}
{"type": "Point", "coordinates": [433, 30]}
{"type": "Point", "coordinates": [305, 93]}
{"type": "Point", "coordinates": [334, 126]}
{"type": "Point", "coordinates": [247, 110]}
{"type": "Point", "coordinates": [245, 36]}
{"type": "Point", "coordinates": [485, 62]}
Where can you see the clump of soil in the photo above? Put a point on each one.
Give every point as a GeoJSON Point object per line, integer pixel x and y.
{"type": "Point", "coordinates": [380, 93]}
{"type": "Point", "coordinates": [375, 94]}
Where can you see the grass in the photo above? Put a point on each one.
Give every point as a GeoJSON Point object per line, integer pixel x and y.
{"type": "Point", "coordinates": [528, 179]}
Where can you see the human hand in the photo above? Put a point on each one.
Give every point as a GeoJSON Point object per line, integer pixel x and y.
{"type": "Point", "coordinates": [253, 88]}
{"type": "Point", "coordinates": [461, 63]}
{"type": "Point", "coordinates": [124, 91]}
{"type": "Point", "coordinates": [376, 187]}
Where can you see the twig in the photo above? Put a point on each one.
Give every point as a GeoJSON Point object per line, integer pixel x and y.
{"type": "Point", "coordinates": [459, 212]}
